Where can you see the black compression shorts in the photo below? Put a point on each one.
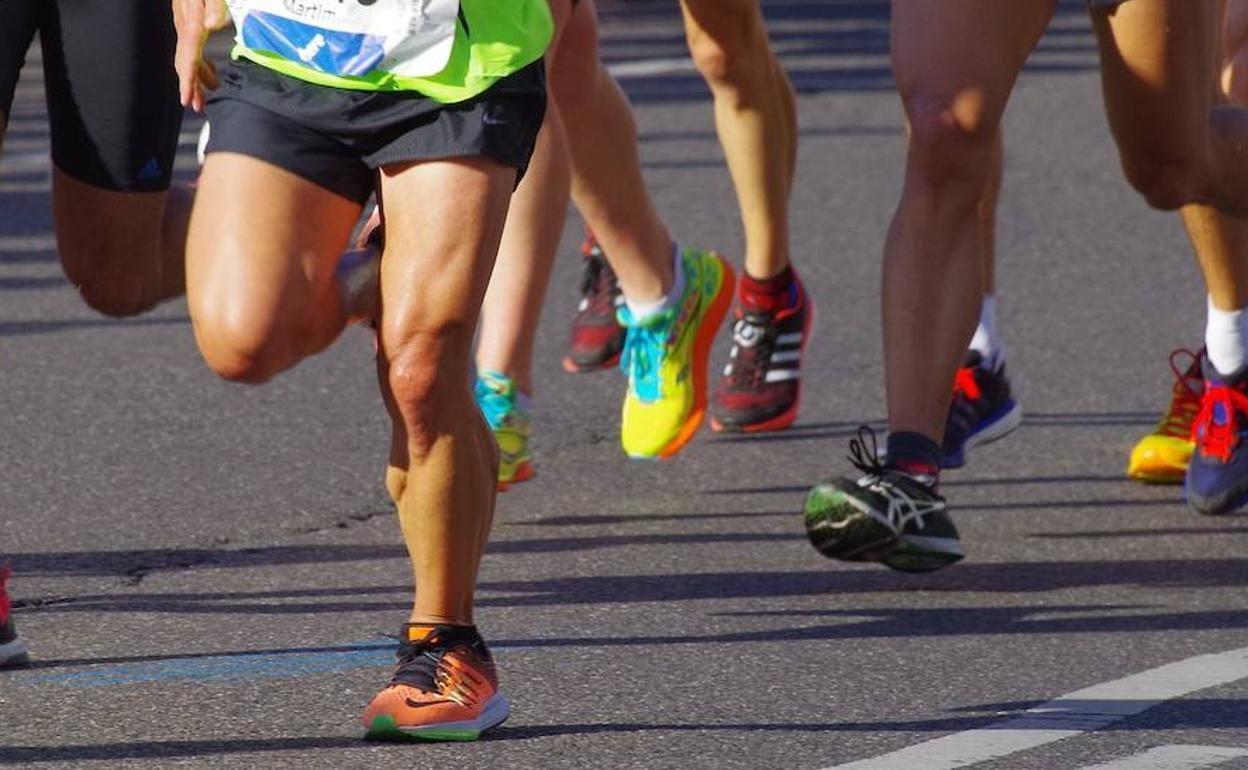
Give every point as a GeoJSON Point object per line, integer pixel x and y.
{"type": "Point", "coordinates": [111, 88]}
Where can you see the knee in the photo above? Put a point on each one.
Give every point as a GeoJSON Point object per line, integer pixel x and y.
{"type": "Point", "coordinates": [428, 379]}
{"type": "Point", "coordinates": [235, 348]}
{"type": "Point", "coordinates": [1167, 181]}
{"type": "Point", "coordinates": [114, 293]}
{"type": "Point", "coordinates": [732, 55]}
{"type": "Point", "coordinates": [951, 144]}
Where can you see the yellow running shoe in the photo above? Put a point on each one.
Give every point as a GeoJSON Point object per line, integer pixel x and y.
{"type": "Point", "coordinates": [1161, 457]}
{"type": "Point", "coordinates": [500, 404]}
{"type": "Point", "coordinates": [666, 356]}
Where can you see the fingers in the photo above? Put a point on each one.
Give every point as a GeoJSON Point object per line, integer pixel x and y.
{"type": "Point", "coordinates": [194, 21]}
{"type": "Point", "coordinates": [188, 20]}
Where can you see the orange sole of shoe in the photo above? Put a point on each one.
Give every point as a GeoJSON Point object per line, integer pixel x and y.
{"type": "Point", "coordinates": [524, 472]}
{"type": "Point", "coordinates": [701, 359]}
{"type": "Point", "coordinates": [572, 367]}
{"type": "Point", "coordinates": [788, 416]}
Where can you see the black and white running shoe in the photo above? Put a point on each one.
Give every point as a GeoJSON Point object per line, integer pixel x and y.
{"type": "Point", "coordinates": [888, 515]}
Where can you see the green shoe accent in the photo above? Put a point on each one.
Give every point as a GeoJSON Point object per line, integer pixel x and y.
{"type": "Point", "coordinates": [499, 400]}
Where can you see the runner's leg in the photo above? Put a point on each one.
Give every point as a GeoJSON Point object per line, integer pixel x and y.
{"type": "Point", "coordinates": [755, 115]}
{"type": "Point", "coordinates": [607, 184]}
{"type": "Point", "coordinates": [120, 225]}
{"type": "Point", "coordinates": [261, 258]}
{"type": "Point", "coordinates": [444, 221]}
{"type": "Point", "coordinates": [674, 302]}
{"type": "Point", "coordinates": [517, 291]}
{"type": "Point", "coordinates": [953, 96]}
{"type": "Point", "coordinates": [1158, 60]}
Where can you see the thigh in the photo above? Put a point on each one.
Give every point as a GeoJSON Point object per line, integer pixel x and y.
{"type": "Point", "coordinates": [939, 74]}
{"type": "Point", "coordinates": [19, 19]}
{"type": "Point", "coordinates": [262, 249]}
{"type": "Point", "coordinates": [1158, 68]}
{"type": "Point", "coordinates": [112, 92]}
{"type": "Point", "coordinates": [444, 220]}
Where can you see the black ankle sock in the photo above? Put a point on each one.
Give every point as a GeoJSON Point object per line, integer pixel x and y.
{"type": "Point", "coordinates": [913, 453]}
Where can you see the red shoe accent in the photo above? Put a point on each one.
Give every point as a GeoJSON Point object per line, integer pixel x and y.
{"type": "Point", "coordinates": [1216, 430]}
{"type": "Point", "coordinates": [964, 384]}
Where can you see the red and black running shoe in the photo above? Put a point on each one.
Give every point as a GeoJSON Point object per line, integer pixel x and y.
{"type": "Point", "coordinates": [761, 388]}
{"type": "Point", "coordinates": [597, 338]}
{"type": "Point", "coordinates": [12, 646]}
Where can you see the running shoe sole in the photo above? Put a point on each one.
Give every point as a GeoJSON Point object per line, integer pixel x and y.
{"type": "Point", "coordinates": [1216, 505]}
{"type": "Point", "coordinates": [1159, 467]}
{"type": "Point", "coordinates": [702, 344]}
{"type": "Point", "coordinates": [921, 553]}
{"type": "Point", "coordinates": [788, 416]}
{"type": "Point", "coordinates": [572, 367]}
{"type": "Point", "coordinates": [14, 654]}
{"type": "Point", "coordinates": [1160, 479]}
{"type": "Point", "coordinates": [384, 728]}
{"type": "Point", "coordinates": [1003, 423]}
{"type": "Point", "coordinates": [524, 472]}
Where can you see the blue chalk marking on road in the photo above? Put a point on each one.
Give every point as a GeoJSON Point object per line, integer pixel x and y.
{"type": "Point", "coordinates": [230, 668]}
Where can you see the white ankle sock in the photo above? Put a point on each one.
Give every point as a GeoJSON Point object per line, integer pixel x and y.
{"type": "Point", "coordinates": [643, 310]}
{"type": "Point", "coordinates": [987, 341]}
{"type": "Point", "coordinates": [1226, 337]}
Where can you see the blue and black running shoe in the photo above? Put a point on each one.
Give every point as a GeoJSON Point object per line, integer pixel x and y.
{"type": "Point", "coordinates": [1217, 477]}
{"type": "Point", "coordinates": [982, 411]}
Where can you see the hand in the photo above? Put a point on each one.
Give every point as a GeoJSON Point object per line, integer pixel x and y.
{"type": "Point", "coordinates": [194, 20]}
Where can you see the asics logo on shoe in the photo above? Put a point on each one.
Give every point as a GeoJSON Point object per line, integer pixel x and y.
{"type": "Point", "coordinates": [902, 508]}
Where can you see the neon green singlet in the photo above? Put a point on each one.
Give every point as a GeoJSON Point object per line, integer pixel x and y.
{"type": "Point", "coordinates": [448, 50]}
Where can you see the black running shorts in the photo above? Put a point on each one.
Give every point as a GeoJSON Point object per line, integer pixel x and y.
{"type": "Point", "coordinates": [337, 138]}
{"type": "Point", "coordinates": [111, 88]}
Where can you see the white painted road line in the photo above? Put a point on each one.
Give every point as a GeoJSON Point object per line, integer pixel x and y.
{"type": "Point", "coordinates": [27, 244]}
{"type": "Point", "coordinates": [1072, 714]}
{"type": "Point", "coordinates": [1175, 758]}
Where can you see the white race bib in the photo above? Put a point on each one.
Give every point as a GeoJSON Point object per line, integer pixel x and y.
{"type": "Point", "coordinates": [352, 38]}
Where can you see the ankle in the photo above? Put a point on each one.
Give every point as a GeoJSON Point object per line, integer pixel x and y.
{"type": "Point", "coordinates": [769, 294]}
{"type": "Point", "coordinates": [913, 453]}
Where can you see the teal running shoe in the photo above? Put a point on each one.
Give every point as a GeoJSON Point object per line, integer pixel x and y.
{"type": "Point", "coordinates": [500, 403]}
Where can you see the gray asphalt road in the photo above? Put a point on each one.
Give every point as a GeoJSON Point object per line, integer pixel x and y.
{"type": "Point", "coordinates": [206, 572]}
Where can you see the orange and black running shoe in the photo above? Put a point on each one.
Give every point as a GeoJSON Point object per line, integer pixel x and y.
{"type": "Point", "coordinates": [445, 688]}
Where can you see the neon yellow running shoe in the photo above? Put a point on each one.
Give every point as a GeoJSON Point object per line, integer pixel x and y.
{"type": "Point", "coordinates": [1162, 456]}
{"type": "Point", "coordinates": [666, 356]}
{"type": "Point", "coordinates": [500, 403]}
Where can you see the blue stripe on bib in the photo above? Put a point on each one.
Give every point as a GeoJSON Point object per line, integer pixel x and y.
{"type": "Point", "coordinates": [345, 54]}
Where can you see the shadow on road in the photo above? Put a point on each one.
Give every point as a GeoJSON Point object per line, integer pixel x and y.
{"type": "Point", "coordinates": [1205, 713]}
{"type": "Point", "coordinates": [1033, 577]}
